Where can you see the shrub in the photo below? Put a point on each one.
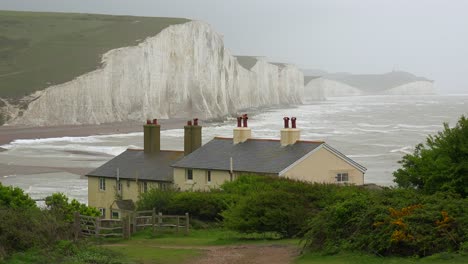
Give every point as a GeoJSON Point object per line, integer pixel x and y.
{"type": "Point", "coordinates": [58, 204]}
{"type": "Point", "coordinates": [156, 198]}
{"type": "Point", "coordinates": [14, 197]}
{"type": "Point", "coordinates": [439, 165]}
{"type": "Point", "coordinates": [205, 206]}
{"type": "Point", "coordinates": [391, 222]}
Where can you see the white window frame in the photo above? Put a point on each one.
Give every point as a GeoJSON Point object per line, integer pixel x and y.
{"type": "Point", "coordinates": [342, 177]}
{"type": "Point", "coordinates": [115, 213]}
{"type": "Point", "coordinates": [102, 184]}
{"type": "Point", "coordinates": [103, 211]}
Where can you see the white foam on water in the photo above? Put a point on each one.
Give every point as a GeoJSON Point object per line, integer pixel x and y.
{"type": "Point", "coordinates": [404, 150]}
{"type": "Point", "coordinates": [375, 130]}
{"type": "Point", "coordinates": [365, 155]}
{"type": "Point", "coordinates": [372, 125]}
{"type": "Point", "coordinates": [419, 127]}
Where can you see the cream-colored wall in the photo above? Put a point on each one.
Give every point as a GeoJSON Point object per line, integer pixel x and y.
{"type": "Point", "coordinates": [104, 199]}
{"type": "Point", "coordinates": [322, 167]}
{"type": "Point", "coordinates": [199, 181]}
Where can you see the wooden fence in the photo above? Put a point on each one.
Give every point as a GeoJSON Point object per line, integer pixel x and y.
{"type": "Point", "coordinates": [86, 226]}
{"type": "Point", "coordinates": [159, 222]}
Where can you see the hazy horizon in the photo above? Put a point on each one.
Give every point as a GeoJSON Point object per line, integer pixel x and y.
{"type": "Point", "coordinates": [427, 38]}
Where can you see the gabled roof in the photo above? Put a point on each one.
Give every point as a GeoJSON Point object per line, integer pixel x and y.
{"type": "Point", "coordinates": [253, 155]}
{"type": "Point", "coordinates": [127, 205]}
{"type": "Point", "coordinates": [133, 164]}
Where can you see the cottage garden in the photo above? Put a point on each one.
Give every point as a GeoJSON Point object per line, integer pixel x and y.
{"type": "Point", "coordinates": [425, 218]}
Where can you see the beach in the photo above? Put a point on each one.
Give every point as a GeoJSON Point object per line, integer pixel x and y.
{"type": "Point", "coordinates": [10, 133]}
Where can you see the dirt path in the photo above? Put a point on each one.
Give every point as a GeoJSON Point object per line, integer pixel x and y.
{"type": "Point", "coordinates": [248, 254]}
{"type": "Point", "coordinates": [238, 254]}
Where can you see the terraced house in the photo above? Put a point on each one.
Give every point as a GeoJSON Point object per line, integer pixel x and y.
{"type": "Point", "coordinates": [221, 159]}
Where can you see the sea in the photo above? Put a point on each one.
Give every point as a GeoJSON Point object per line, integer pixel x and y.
{"type": "Point", "coordinates": [375, 131]}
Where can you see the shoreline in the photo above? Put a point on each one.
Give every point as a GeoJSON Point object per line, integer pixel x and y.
{"type": "Point", "coordinates": [11, 133]}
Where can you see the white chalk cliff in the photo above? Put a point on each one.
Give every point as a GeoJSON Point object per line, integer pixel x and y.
{"type": "Point", "coordinates": [184, 71]}
{"type": "Point", "coordinates": [320, 88]}
{"type": "Point", "coordinates": [393, 83]}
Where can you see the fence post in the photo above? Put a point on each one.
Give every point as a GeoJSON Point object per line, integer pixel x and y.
{"type": "Point", "coordinates": [159, 220]}
{"type": "Point", "coordinates": [134, 218]}
{"type": "Point", "coordinates": [76, 226]}
{"type": "Point", "coordinates": [126, 227]}
{"type": "Point", "coordinates": [98, 226]}
{"type": "Point", "coordinates": [153, 220]}
{"type": "Point", "coordinates": [178, 224]}
{"type": "Point", "coordinates": [187, 223]}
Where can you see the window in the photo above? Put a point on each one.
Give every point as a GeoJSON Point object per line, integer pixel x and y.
{"type": "Point", "coordinates": [102, 184]}
{"type": "Point", "coordinates": [208, 176]}
{"type": "Point", "coordinates": [103, 212]}
{"type": "Point", "coordinates": [119, 186]}
{"type": "Point", "coordinates": [189, 175]}
{"type": "Point", "coordinates": [342, 177]}
{"type": "Point", "coordinates": [115, 215]}
{"type": "Point", "coordinates": [143, 187]}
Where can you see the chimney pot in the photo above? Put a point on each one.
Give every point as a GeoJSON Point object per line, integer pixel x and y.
{"type": "Point", "coordinates": [189, 123]}
{"type": "Point", "coordinates": [195, 121]}
{"type": "Point", "coordinates": [155, 121]}
{"type": "Point", "coordinates": [293, 122]}
{"type": "Point", "coordinates": [286, 122]}
{"type": "Point", "coordinates": [148, 122]}
{"type": "Point", "coordinates": [245, 118]}
{"type": "Point", "coordinates": [239, 121]}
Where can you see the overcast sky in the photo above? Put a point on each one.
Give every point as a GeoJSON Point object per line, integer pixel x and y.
{"type": "Point", "coordinates": [426, 37]}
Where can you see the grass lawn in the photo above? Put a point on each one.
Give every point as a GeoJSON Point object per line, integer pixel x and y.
{"type": "Point", "coordinates": [314, 258]}
{"type": "Point", "coordinates": [168, 248]}
{"type": "Point", "coordinates": [42, 49]}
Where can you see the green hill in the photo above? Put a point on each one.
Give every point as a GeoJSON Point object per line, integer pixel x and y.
{"type": "Point", "coordinates": [38, 50]}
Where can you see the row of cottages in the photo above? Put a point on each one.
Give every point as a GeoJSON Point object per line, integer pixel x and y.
{"type": "Point", "coordinates": [115, 186]}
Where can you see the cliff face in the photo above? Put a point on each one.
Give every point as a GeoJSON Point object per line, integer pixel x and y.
{"type": "Point", "coordinates": [413, 88]}
{"type": "Point", "coordinates": [183, 71]}
{"type": "Point", "coordinates": [320, 88]}
{"type": "Point", "coordinates": [394, 83]}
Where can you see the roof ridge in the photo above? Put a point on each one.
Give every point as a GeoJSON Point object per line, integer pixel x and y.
{"type": "Point", "coordinates": [162, 150]}
{"type": "Point", "coordinates": [271, 139]}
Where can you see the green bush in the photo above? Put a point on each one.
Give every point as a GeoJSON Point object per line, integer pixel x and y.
{"type": "Point", "coordinates": [391, 222]}
{"type": "Point", "coordinates": [205, 206]}
{"type": "Point", "coordinates": [22, 229]}
{"type": "Point", "coordinates": [14, 197]}
{"type": "Point", "coordinates": [439, 165]}
{"type": "Point", "coordinates": [58, 204]}
{"type": "Point", "coordinates": [156, 198]}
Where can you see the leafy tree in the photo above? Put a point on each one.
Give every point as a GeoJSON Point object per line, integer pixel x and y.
{"type": "Point", "coordinates": [14, 197]}
{"type": "Point", "coordinates": [59, 205]}
{"type": "Point", "coordinates": [439, 165]}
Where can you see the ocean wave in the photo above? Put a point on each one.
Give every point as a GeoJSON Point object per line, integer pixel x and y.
{"type": "Point", "coordinates": [372, 125]}
{"type": "Point", "coordinates": [404, 150]}
{"type": "Point", "coordinates": [109, 150]}
{"type": "Point", "coordinates": [376, 130]}
{"type": "Point", "coordinates": [365, 155]}
{"type": "Point", "coordinates": [416, 126]}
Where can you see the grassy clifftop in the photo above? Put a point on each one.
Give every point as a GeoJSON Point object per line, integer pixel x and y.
{"type": "Point", "coordinates": [38, 50]}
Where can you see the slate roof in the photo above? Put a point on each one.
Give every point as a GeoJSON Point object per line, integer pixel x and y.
{"type": "Point", "coordinates": [136, 163]}
{"type": "Point", "coordinates": [127, 205]}
{"type": "Point", "coordinates": [253, 155]}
